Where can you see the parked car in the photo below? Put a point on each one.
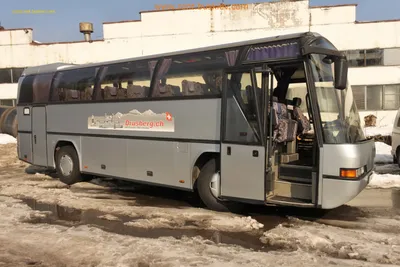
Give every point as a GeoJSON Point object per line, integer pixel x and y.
{"type": "Point", "coordinates": [396, 139]}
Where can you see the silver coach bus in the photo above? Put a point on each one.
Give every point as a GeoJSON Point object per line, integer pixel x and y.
{"type": "Point", "coordinates": [269, 121]}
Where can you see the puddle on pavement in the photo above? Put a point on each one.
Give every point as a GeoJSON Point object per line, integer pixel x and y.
{"type": "Point", "coordinates": [66, 216]}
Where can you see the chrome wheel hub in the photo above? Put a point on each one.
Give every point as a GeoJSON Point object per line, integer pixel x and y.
{"type": "Point", "coordinates": [66, 165]}
{"type": "Point", "coordinates": [215, 185]}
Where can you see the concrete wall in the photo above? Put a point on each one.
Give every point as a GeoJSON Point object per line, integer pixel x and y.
{"type": "Point", "coordinates": [164, 31]}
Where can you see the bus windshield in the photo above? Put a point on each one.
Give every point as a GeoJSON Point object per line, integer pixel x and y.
{"type": "Point", "coordinates": [339, 115]}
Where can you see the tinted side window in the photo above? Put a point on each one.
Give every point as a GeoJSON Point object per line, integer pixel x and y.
{"type": "Point", "coordinates": [74, 85]}
{"type": "Point", "coordinates": [26, 91]}
{"type": "Point", "coordinates": [41, 87]}
{"type": "Point", "coordinates": [241, 118]}
{"type": "Point", "coordinates": [196, 74]}
{"type": "Point", "coordinates": [128, 80]}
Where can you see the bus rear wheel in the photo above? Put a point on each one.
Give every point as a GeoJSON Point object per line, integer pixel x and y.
{"type": "Point", "coordinates": [208, 186]}
{"type": "Point", "coordinates": [67, 165]}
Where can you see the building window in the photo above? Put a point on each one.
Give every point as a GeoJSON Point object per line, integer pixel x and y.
{"type": "Point", "coordinates": [7, 102]}
{"type": "Point", "coordinates": [16, 73]}
{"type": "Point", "coordinates": [10, 75]}
{"type": "Point", "coordinates": [391, 96]}
{"type": "Point", "coordinates": [355, 58]}
{"type": "Point", "coordinates": [391, 56]}
{"type": "Point", "coordinates": [377, 97]}
{"type": "Point", "coordinates": [5, 75]}
{"type": "Point", "coordinates": [359, 96]}
{"type": "Point", "coordinates": [365, 58]}
{"type": "Point", "coordinates": [374, 97]}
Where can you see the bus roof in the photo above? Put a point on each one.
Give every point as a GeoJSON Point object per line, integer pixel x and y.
{"type": "Point", "coordinates": [57, 66]}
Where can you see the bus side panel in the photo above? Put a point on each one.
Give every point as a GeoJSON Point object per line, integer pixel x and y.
{"type": "Point", "coordinates": [25, 147]}
{"type": "Point", "coordinates": [154, 161]}
{"type": "Point", "coordinates": [191, 119]}
{"type": "Point", "coordinates": [154, 154]}
{"type": "Point", "coordinates": [24, 121]}
{"type": "Point", "coordinates": [24, 134]}
{"type": "Point", "coordinates": [104, 156]}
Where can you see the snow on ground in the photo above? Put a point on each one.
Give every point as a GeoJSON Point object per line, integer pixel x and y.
{"type": "Point", "coordinates": [384, 181]}
{"type": "Point", "coordinates": [383, 177]}
{"type": "Point", "coordinates": [385, 130]}
{"type": "Point", "coordinates": [300, 244]}
{"type": "Point", "coordinates": [7, 139]}
{"type": "Point", "coordinates": [383, 154]}
{"type": "Point", "coordinates": [88, 246]}
{"type": "Point", "coordinates": [361, 244]}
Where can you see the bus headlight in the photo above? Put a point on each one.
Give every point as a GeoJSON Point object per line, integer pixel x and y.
{"type": "Point", "coordinates": [352, 173]}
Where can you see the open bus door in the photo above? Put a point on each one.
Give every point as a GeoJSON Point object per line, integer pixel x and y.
{"type": "Point", "coordinates": [243, 145]}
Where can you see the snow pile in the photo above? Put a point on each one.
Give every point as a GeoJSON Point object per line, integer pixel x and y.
{"type": "Point", "coordinates": [336, 242]}
{"type": "Point", "coordinates": [9, 157]}
{"type": "Point", "coordinates": [383, 153]}
{"type": "Point", "coordinates": [374, 131]}
{"type": "Point", "coordinates": [246, 223]}
{"type": "Point", "coordinates": [7, 139]}
{"type": "Point", "coordinates": [384, 181]}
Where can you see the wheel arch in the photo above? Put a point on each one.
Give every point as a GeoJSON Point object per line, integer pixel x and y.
{"type": "Point", "coordinates": [201, 160]}
{"type": "Point", "coordinates": [65, 142]}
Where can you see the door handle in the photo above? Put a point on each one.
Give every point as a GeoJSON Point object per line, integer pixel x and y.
{"type": "Point", "coordinates": [255, 153]}
{"type": "Point", "coordinates": [228, 150]}
{"type": "Point", "coordinates": [34, 138]}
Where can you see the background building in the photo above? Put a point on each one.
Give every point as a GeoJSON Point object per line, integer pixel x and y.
{"type": "Point", "coordinates": [372, 47]}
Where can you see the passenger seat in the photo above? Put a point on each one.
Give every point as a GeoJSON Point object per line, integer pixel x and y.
{"type": "Point", "coordinates": [285, 132]}
{"type": "Point", "coordinates": [135, 91]}
{"type": "Point", "coordinates": [192, 88]}
{"type": "Point", "coordinates": [304, 123]}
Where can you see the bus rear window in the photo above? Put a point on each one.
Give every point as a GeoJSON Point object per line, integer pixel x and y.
{"type": "Point", "coordinates": [26, 90]}
{"type": "Point", "coordinates": [41, 87]}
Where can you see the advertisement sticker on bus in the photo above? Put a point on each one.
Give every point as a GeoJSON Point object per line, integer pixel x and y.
{"type": "Point", "coordinates": [134, 120]}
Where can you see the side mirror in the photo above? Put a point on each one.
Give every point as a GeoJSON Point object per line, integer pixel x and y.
{"type": "Point", "coordinates": [341, 69]}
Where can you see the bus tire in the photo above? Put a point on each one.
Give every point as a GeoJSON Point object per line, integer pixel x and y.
{"type": "Point", "coordinates": [398, 157]}
{"type": "Point", "coordinates": [67, 165]}
{"type": "Point", "coordinates": [204, 190]}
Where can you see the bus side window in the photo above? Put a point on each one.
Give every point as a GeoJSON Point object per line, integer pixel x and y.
{"type": "Point", "coordinates": [126, 80]}
{"type": "Point", "coordinates": [191, 75]}
{"type": "Point", "coordinates": [74, 85]}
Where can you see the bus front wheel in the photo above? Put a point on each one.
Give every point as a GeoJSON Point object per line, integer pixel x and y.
{"type": "Point", "coordinates": [67, 165]}
{"type": "Point", "coordinates": [208, 185]}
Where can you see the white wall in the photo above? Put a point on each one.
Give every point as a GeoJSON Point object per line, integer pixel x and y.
{"type": "Point", "coordinates": [165, 31]}
{"type": "Point", "coordinates": [8, 90]}
{"type": "Point", "coordinates": [333, 15]}
{"type": "Point", "coordinates": [374, 75]}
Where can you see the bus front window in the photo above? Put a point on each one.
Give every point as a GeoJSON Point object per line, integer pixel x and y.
{"type": "Point", "coordinates": [339, 115]}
